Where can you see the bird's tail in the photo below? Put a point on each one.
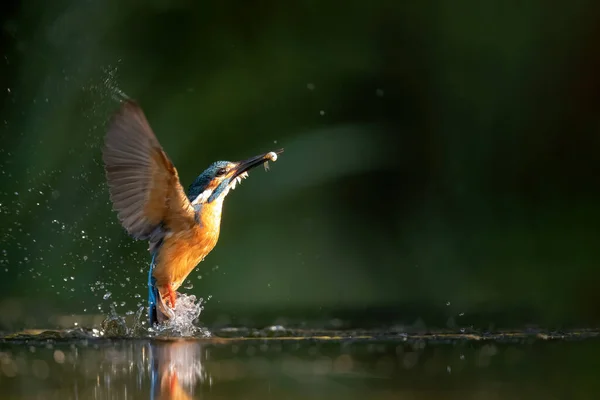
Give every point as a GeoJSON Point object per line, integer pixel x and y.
{"type": "Point", "coordinates": [152, 294]}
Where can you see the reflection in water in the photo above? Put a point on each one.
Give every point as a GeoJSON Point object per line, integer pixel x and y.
{"type": "Point", "coordinates": [348, 367]}
{"type": "Point", "coordinates": [175, 369]}
{"type": "Point", "coordinates": [155, 370]}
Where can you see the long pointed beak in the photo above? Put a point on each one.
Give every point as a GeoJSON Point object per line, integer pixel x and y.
{"type": "Point", "coordinates": [246, 165]}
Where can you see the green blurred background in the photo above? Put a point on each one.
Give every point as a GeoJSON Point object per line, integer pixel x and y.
{"type": "Point", "coordinates": [441, 164]}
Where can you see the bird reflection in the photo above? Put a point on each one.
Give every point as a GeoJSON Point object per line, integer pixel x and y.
{"type": "Point", "coordinates": [175, 369]}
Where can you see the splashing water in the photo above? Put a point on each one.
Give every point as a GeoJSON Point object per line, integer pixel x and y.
{"type": "Point", "coordinates": [116, 325]}
{"type": "Point", "coordinates": [187, 310]}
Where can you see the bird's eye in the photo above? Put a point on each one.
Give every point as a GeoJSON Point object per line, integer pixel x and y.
{"type": "Point", "coordinates": [221, 171]}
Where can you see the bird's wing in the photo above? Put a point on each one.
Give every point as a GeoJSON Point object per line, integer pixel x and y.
{"type": "Point", "coordinates": [143, 183]}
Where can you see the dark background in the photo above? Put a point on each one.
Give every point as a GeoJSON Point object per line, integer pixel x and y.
{"type": "Point", "coordinates": [441, 164]}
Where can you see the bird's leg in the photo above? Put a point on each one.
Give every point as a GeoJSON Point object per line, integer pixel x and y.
{"type": "Point", "coordinates": [166, 303]}
{"type": "Point", "coordinates": [172, 296]}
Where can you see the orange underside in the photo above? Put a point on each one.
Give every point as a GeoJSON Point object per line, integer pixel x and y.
{"type": "Point", "coordinates": [180, 253]}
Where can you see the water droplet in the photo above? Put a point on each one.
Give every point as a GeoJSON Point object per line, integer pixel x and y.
{"type": "Point", "coordinates": [107, 295]}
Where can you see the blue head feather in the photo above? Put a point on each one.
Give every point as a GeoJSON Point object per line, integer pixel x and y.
{"type": "Point", "coordinates": [203, 180]}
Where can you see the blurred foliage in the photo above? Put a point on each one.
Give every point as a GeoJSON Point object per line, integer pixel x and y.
{"type": "Point", "coordinates": [441, 157]}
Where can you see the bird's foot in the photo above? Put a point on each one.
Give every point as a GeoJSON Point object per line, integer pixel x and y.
{"type": "Point", "coordinates": [166, 309]}
{"type": "Point", "coordinates": [172, 297]}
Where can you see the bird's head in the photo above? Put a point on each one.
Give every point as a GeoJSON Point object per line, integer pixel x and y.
{"type": "Point", "coordinates": [221, 176]}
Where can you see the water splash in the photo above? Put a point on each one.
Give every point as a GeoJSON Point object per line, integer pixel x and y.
{"type": "Point", "coordinates": [186, 312]}
{"type": "Point", "coordinates": [185, 315]}
{"type": "Point", "coordinates": [115, 325]}
{"type": "Point", "coordinates": [106, 86]}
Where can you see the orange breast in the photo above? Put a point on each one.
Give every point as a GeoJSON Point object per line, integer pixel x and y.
{"type": "Point", "coordinates": [181, 251]}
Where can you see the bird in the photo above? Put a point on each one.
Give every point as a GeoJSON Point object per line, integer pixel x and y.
{"type": "Point", "coordinates": [151, 204]}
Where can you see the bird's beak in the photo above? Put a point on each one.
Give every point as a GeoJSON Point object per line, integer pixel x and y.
{"type": "Point", "coordinates": [244, 166]}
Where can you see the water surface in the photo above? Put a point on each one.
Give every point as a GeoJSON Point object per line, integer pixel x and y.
{"type": "Point", "coordinates": [285, 364]}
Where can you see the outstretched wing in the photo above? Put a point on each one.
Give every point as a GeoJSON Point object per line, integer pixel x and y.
{"type": "Point", "coordinates": [143, 183]}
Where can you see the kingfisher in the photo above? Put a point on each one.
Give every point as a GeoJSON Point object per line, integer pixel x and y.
{"type": "Point", "coordinates": [152, 205]}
